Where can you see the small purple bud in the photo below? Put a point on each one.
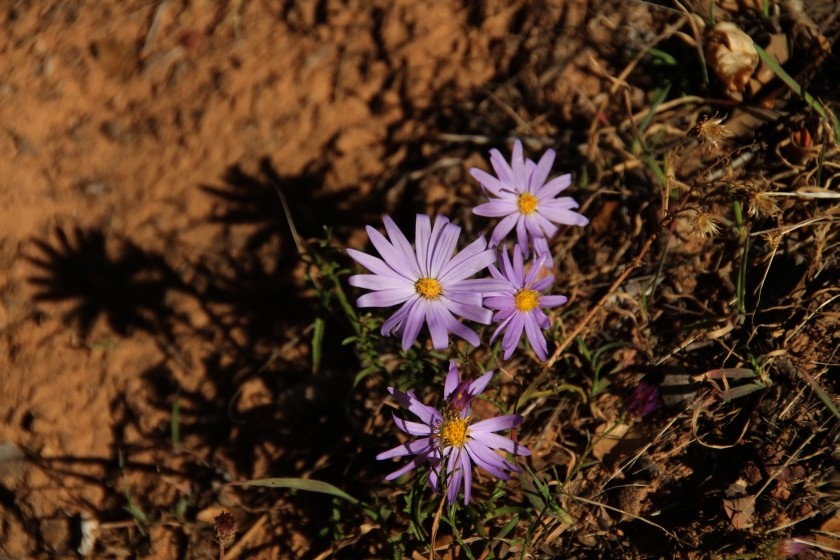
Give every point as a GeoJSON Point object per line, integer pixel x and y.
{"type": "Point", "coordinates": [644, 400]}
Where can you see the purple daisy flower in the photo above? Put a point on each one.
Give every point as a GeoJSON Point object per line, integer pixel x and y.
{"type": "Point", "coordinates": [795, 547]}
{"type": "Point", "coordinates": [520, 306]}
{"type": "Point", "coordinates": [448, 440]}
{"type": "Point", "coordinates": [644, 400]}
{"type": "Point", "coordinates": [430, 281]}
{"type": "Point", "coordinates": [523, 199]}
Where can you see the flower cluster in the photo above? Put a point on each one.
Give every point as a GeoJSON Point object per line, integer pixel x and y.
{"type": "Point", "coordinates": [434, 285]}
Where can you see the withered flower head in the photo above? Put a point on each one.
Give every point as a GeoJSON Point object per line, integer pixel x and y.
{"type": "Point", "coordinates": [711, 131]}
{"type": "Point", "coordinates": [761, 204]}
{"type": "Point", "coordinates": [772, 238]}
{"type": "Point", "coordinates": [702, 223]}
{"type": "Point", "coordinates": [226, 526]}
{"type": "Point", "coordinates": [731, 54]}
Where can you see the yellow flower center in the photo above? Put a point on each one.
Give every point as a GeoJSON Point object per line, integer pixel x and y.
{"type": "Point", "coordinates": [526, 300]}
{"type": "Point", "coordinates": [429, 288]}
{"type": "Point", "coordinates": [527, 203]}
{"type": "Point", "coordinates": [453, 431]}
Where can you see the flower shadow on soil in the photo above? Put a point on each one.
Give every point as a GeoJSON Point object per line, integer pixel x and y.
{"type": "Point", "coordinates": [254, 200]}
{"type": "Point", "coordinates": [248, 404]}
{"type": "Point", "coordinates": [127, 288]}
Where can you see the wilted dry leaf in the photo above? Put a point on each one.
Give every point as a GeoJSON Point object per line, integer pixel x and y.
{"type": "Point", "coordinates": [731, 54]}
{"type": "Point", "coordinates": [740, 511]}
{"type": "Point", "coordinates": [829, 535]}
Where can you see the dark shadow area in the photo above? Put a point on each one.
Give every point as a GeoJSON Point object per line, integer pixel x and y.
{"type": "Point", "coordinates": [126, 285]}
{"type": "Point", "coordinates": [688, 489]}
{"type": "Point", "coordinates": [255, 297]}
{"type": "Point", "coordinates": [255, 201]}
{"type": "Point", "coordinates": [276, 421]}
{"type": "Point", "coordinates": [259, 409]}
{"type": "Point", "coordinates": [257, 289]}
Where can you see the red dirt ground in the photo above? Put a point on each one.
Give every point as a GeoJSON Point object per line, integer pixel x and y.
{"type": "Point", "coordinates": [121, 121]}
{"type": "Point", "coordinates": [146, 261]}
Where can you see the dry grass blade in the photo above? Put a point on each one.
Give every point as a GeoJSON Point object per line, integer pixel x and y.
{"type": "Point", "coordinates": [628, 514]}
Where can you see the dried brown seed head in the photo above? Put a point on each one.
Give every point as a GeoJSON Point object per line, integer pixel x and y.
{"type": "Point", "coordinates": [702, 224]}
{"type": "Point", "coordinates": [711, 131]}
{"type": "Point", "coordinates": [226, 526]}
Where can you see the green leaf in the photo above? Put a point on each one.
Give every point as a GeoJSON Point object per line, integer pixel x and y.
{"type": "Point", "coordinates": [790, 81]}
{"type": "Point", "coordinates": [662, 57]}
{"type": "Point", "coordinates": [317, 344]}
{"type": "Point", "coordinates": [299, 484]}
{"type": "Point", "coordinates": [364, 373]}
{"type": "Point", "coordinates": [741, 391]}
{"type": "Point", "coordinates": [729, 373]}
{"type": "Point", "coordinates": [660, 96]}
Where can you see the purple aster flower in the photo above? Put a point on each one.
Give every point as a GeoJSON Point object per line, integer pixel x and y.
{"type": "Point", "coordinates": [644, 400]}
{"type": "Point", "coordinates": [795, 547]}
{"type": "Point", "coordinates": [520, 305]}
{"type": "Point", "coordinates": [522, 198]}
{"type": "Point", "coordinates": [430, 281]}
{"type": "Point", "coordinates": [450, 442]}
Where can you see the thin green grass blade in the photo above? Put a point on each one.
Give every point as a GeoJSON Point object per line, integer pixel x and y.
{"type": "Point", "coordinates": [742, 271]}
{"type": "Point", "coordinates": [140, 517]}
{"type": "Point", "coordinates": [821, 393]}
{"type": "Point", "coordinates": [317, 344]}
{"type": "Point", "coordinates": [661, 96]}
{"type": "Point", "coordinates": [729, 373]}
{"type": "Point", "coordinates": [742, 391]}
{"type": "Point", "coordinates": [362, 374]}
{"type": "Point", "coordinates": [826, 399]}
{"type": "Point", "coordinates": [656, 169]}
{"type": "Point", "coordinates": [506, 530]}
{"type": "Point", "coordinates": [304, 484]}
{"type": "Point", "coordinates": [790, 81]}
{"type": "Point", "coordinates": [663, 57]}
